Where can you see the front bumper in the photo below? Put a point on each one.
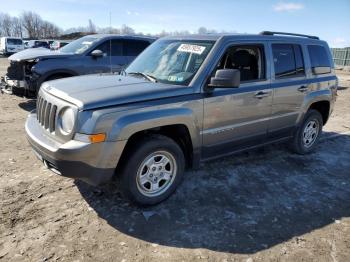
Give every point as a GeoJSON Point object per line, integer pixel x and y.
{"type": "Point", "coordinates": [92, 163]}
{"type": "Point", "coordinates": [10, 86]}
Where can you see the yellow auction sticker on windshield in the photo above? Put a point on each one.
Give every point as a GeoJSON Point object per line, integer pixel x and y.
{"type": "Point", "coordinates": [196, 49]}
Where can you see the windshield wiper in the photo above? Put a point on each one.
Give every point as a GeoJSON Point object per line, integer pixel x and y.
{"type": "Point", "coordinates": [147, 76]}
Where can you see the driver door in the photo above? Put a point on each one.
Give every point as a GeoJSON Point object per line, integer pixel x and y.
{"type": "Point", "coordinates": [237, 118]}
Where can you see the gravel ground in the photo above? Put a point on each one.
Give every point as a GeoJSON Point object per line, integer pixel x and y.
{"type": "Point", "coordinates": [263, 205]}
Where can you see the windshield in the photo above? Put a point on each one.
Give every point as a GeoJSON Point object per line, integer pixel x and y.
{"type": "Point", "coordinates": [80, 45]}
{"type": "Point", "coordinates": [171, 61]}
{"type": "Point", "coordinates": [14, 41]}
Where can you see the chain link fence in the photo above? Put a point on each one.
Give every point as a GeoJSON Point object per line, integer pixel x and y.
{"type": "Point", "coordinates": [341, 56]}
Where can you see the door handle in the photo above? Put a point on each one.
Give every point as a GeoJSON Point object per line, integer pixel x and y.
{"type": "Point", "coordinates": [261, 94]}
{"type": "Point", "coordinates": [303, 89]}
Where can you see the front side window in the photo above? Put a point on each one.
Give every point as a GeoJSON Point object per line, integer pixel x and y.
{"type": "Point", "coordinates": [248, 59]}
{"type": "Point", "coordinates": [320, 62]}
{"type": "Point", "coordinates": [104, 47]}
{"type": "Point", "coordinates": [115, 45]}
{"type": "Point", "coordinates": [172, 61]}
{"type": "Point", "coordinates": [288, 60]}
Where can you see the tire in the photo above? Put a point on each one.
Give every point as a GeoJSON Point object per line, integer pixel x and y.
{"type": "Point", "coordinates": [143, 170]}
{"type": "Point", "coordinates": [311, 130]}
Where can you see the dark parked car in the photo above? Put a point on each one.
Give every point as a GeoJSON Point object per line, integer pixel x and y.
{"type": "Point", "coordinates": [88, 55]}
{"type": "Point", "coordinates": [38, 43]}
{"type": "Point", "coordinates": [55, 45]}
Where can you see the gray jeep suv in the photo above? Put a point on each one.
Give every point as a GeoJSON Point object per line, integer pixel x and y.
{"type": "Point", "coordinates": [87, 55]}
{"type": "Point", "coordinates": [182, 101]}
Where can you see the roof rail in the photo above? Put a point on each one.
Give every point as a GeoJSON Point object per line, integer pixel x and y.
{"type": "Point", "coordinates": [283, 33]}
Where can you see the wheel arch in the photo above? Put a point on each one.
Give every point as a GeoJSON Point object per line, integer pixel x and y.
{"type": "Point", "coordinates": [64, 72]}
{"type": "Point", "coordinates": [177, 132]}
{"type": "Point", "coordinates": [323, 107]}
{"type": "Point", "coordinates": [320, 101]}
{"type": "Point", "coordinates": [178, 124]}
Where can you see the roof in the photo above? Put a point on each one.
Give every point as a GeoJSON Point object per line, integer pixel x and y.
{"type": "Point", "coordinates": [217, 36]}
{"type": "Point", "coordinates": [142, 37]}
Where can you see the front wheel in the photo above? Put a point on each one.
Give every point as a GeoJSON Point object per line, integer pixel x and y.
{"type": "Point", "coordinates": [308, 134]}
{"type": "Point", "coordinates": [153, 170]}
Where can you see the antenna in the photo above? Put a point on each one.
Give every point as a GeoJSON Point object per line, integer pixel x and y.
{"type": "Point", "coordinates": [110, 41]}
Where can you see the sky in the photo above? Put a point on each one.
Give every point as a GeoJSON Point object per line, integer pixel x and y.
{"type": "Point", "coordinates": [327, 19]}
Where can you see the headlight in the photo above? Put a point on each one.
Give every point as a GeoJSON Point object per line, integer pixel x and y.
{"type": "Point", "coordinates": [66, 120]}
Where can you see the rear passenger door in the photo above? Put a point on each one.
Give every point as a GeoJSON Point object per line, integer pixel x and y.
{"type": "Point", "coordinates": [290, 86]}
{"type": "Point", "coordinates": [132, 48]}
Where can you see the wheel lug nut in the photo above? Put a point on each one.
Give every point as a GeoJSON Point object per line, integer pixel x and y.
{"type": "Point", "coordinates": [150, 175]}
{"type": "Point", "coordinates": [154, 168]}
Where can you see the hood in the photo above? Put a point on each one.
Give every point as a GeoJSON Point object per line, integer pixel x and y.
{"type": "Point", "coordinates": [33, 53]}
{"type": "Point", "coordinates": [94, 91]}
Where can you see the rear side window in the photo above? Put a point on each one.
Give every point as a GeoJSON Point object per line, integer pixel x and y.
{"type": "Point", "coordinates": [288, 60]}
{"type": "Point", "coordinates": [134, 47]}
{"type": "Point", "coordinates": [320, 63]}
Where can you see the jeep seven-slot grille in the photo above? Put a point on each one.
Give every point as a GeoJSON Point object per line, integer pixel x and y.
{"type": "Point", "coordinates": [46, 114]}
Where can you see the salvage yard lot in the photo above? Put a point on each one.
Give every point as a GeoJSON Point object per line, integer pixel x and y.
{"type": "Point", "coordinates": [267, 204]}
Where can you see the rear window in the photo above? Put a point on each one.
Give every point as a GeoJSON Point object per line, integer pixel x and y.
{"type": "Point", "coordinates": [14, 41]}
{"type": "Point", "coordinates": [320, 62]}
{"type": "Point", "coordinates": [288, 60]}
{"type": "Point", "coordinates": [134, 47]}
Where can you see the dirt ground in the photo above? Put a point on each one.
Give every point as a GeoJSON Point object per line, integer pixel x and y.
{"type": "Point", "coordinates": [263, 205]}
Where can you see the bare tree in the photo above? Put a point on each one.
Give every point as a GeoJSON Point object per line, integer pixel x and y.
{"type": "Point", "coordinates": [28, 23]}
{"type": "Point", "coordinates": [127, 30]}
{"type": "Point", "coordinates": [6, 25]}
{"type": "Point", "coordinates": [36, 27]}
{"type": "Point", "coordinates": [92, 27]}
{"type": "Point", "coordinates": [202, 30]}
{"type": "Point", "coordinates": [1, 22]}
{"type": "Point", "coordinates": [108, 30]}
{"type": "Point", "coordinates": [17, 29]}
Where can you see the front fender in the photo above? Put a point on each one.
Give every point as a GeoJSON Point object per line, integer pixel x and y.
{"type": "Point", "coordinates": [132, 123]}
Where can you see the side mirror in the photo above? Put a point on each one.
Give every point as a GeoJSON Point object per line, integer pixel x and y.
{"type": "Point", "coordinates": [96, 53]}
{"type": "Point", "coordinates": [226, 78]}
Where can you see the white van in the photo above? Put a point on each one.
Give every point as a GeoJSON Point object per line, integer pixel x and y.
{"type": "Point", "coordinates": [10, 45]}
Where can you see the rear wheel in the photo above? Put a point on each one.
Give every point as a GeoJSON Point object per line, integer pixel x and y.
{"type": "Point", "coordinates": [308, 134]}
{"type": "Point", "coordinates": [153, 170]}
